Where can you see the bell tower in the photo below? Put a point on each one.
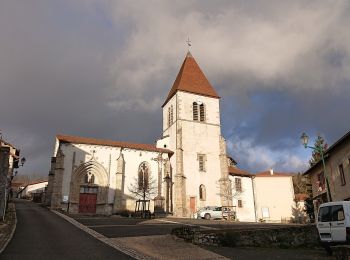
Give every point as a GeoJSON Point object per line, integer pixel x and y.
{"type": "Point", "coordinates": [191, 129]}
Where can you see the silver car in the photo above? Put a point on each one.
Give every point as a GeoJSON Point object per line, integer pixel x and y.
{"type": "Point", "coordinates": [209, 213]}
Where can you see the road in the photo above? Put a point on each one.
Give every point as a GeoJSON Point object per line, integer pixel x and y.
{"type": "Point", "coordinates": [117, 227]}
{"type": "Point", "coordinates": [41, 234]}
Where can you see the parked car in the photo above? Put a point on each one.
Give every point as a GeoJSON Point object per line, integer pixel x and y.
{"type": "Point", "coordinates": [209, 212]}
{"type": "Point", "coordinates": [333, 223]}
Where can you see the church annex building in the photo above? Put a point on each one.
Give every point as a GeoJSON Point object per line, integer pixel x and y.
{"type": "Point", "coordinates": [188, 164]}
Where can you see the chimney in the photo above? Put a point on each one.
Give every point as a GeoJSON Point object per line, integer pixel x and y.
{"type": "Point", "coordinates": [271, 171]}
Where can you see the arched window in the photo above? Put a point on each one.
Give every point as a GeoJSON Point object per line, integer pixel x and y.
{"type": "Point", "coordinates": [202, 193]}
{"type": "Point", "coordinates": [201, 112]}
{"type": "Point", "coordinates": [143, 177]}
{"type": "Point", "coordinates": [86, 178]}
{"type": "Point", "coordinates": [195, 111]}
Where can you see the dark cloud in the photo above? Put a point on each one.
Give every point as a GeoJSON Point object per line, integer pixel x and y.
{"type": "Point", "coordinates": [102, 69]}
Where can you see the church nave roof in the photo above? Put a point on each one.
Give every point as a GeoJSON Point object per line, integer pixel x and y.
{"type": "Point", "coordinates": [93, 141]}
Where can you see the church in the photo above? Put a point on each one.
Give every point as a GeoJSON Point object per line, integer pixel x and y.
{"type": "Point", "coordinates": [188, 165]}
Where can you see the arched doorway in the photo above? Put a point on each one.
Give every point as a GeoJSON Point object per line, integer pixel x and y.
{"type": "Point", "coordinates": [89, 189]}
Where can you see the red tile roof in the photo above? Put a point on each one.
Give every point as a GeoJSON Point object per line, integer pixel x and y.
{"type": "Point", "coordinates": [84, 140]}
{"type": "Point", "coordinates": [191, 79]}
{"type": "Point", "coordinates": [275, 174]}
{"type": "Point", "coordinates": [237, 171]}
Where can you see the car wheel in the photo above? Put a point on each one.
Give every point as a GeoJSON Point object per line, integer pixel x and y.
{"type": "Point", "coordinates": [207, 216]}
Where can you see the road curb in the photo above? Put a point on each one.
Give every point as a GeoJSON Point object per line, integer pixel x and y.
{"type": "Point", "coordinates": [12, 231]}
{"type": "Point", "coordinates": [120, 247]}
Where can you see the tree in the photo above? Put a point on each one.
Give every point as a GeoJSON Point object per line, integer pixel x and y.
{"type": "Point", "coordinates": [309, 209]}
{"type": "Point", "coordinates": [144, 187]}
{"type": "Point", "coordinates": [320, 144]}
{"type": "Point", "coordinates": [301, 184]}
{"type": "Point", "coordinates": [228, 191]}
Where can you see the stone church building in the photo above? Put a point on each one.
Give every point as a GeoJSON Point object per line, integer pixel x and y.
{"type": "Point", "coordinates": [188, 163]}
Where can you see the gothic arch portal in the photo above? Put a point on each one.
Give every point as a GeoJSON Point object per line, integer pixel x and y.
{"type": "Point", "coordinates": [87, 170]}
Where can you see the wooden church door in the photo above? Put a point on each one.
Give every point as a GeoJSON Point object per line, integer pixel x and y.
{"type": "Point", "coordinates": [87, 200]}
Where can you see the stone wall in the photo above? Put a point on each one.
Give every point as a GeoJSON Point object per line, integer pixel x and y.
{"type": "Point", "coordinates": [282, 237]}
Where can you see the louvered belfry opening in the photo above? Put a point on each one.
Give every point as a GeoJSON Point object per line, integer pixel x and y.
{"type": "Point", "coordinates": [201, 113]}
{"type": "Point", "coordinates": [195, 111]}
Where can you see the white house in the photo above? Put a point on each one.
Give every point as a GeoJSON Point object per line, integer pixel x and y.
{"type": "Point", "coordinates": [30, 189]}
{"type": "Point", "coordinates": [243, 194]}
{"type": "Point", "coordinates": [274, 196]}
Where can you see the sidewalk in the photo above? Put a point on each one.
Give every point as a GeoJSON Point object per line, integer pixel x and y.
{"type": "Point", "coordinates": [7, 228]}
{"type": "Point", "coordinates": [166, 247]}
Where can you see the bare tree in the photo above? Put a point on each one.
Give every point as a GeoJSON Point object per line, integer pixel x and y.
{"type": "Point", "coordinates": [143, 188]}
{"type": "Point", "coordinates": [229, 191]}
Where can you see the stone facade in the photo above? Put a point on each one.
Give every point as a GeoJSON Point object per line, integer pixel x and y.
{"type": "Point", "coordinates": [337, 162]}
{"type": "Point", "coordinates": [114, 170]}
{"type": "Point", "coordinates": [188, 139]}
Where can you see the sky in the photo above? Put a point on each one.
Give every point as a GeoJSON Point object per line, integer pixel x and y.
{"type": "Point", "coordinates": [102, 69]}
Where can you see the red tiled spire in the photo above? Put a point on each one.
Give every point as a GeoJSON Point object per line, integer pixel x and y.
{"type": "Point", "coordinates": [191, 79]}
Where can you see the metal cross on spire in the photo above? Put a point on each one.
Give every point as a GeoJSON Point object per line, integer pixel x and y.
{"type": "Point", "coordinates": [188, 43]}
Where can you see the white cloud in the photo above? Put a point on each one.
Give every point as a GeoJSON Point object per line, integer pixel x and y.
{"type": "Point", "coordinates": [260, 157]}
{"type": "Point", "coordinates": [284, 43]}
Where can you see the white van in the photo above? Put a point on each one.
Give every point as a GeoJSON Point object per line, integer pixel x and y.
{"type": "Point", "coordinates": [333, 223]}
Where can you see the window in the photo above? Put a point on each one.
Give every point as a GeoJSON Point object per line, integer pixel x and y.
{"type": "Point", "coordinates": [201, 162]}
{"type": "Point", "coordinates": [325, 214]}
{"type": "Point", "coordinates": [321, 181]}
{"type": "Point", "coordinates": [195, 111]}
{"type": "Point", "coordinates": [240, 203]}
{"type": "Point", "coordinates": [202, 195]}
{"type": "Point", "coordinates": [201, 113]}
{"type": "Point", "coordinates": [337, 213]}
{"type": "Point", "coordinates": [331, 213]}
{"type": "Point", "coordinates": [238, 184]}
{"type": "Point", "coordinates": [342, 176]}
{"type": "Point", "coordinates": [143, 177]}
{"type": "Point", "coordinates": [170, 116]}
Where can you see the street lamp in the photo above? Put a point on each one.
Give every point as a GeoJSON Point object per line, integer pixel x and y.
{"type": "Point", "coordinates": [304, 140]}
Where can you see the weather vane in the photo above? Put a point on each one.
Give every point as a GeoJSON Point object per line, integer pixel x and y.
{"type": "Point", "coordinates": [188, 43]}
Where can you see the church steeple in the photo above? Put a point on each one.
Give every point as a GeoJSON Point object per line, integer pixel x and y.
{"type": "Point", "coordinates": [191, 79]}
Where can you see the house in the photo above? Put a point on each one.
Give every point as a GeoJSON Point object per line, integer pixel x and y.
{"type": "Point", "coordinates": [274, 196]}
{"type": "Point", "coordinates": [9, 157]}
{"type": "Point", "coordinates": [243, 194]}
{"type": "Point", "coordinates": [34, 189]}
{"type": "Point", "coordinates": [337, 165]}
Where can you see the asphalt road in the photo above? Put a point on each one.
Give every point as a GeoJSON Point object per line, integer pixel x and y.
{"type": "Point", "coordinates": [41, 234]}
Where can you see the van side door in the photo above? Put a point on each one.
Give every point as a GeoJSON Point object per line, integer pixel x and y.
{"type": "Point", "coordinates": [324, 223]}
{"type": "Point", "coordinates": [338, 228]}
